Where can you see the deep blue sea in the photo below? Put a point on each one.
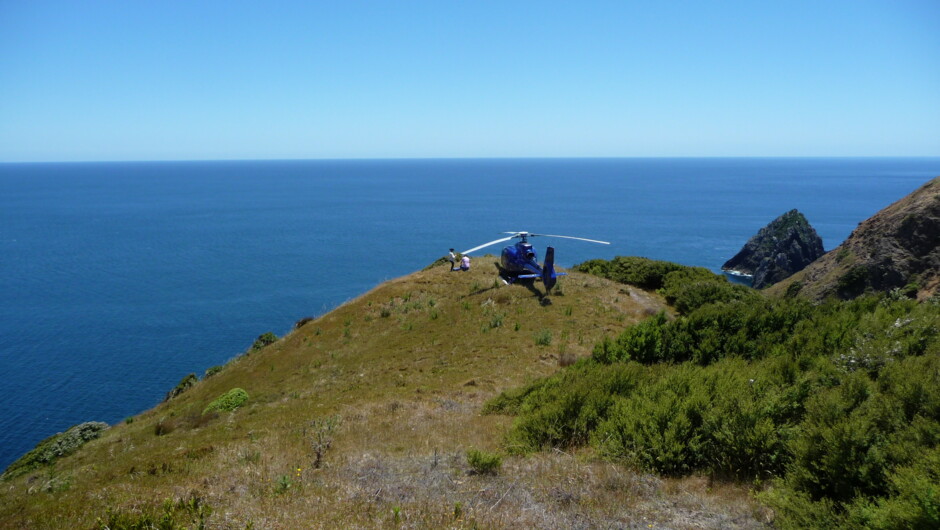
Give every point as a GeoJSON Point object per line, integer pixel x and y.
{"type": "Point", "coordinates": [117, 279]}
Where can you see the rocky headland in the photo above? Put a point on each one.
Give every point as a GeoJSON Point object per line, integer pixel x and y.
{"type": "Point", "coordinates": [785, 246]}
{"type": "Point", "coordinates": [897, 248]}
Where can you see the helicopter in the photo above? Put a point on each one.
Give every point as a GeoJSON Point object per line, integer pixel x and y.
{"type": "Point", "coordinates": [520, 261]}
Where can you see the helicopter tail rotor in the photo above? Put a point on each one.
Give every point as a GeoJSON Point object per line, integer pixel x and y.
{"type": "Point", "coordinates": [548, 269]}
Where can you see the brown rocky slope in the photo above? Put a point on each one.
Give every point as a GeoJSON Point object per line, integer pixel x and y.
{"type": "Point", "coordinates": [897, 248]}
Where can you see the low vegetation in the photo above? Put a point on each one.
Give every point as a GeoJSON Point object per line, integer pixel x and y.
{"type": "Point", "coordinates": [262, 341]}
{"type": "Point", "coordinates": [484, 462]}
{"type": "Point", "coordinates": [55, 447]}
{"type": "Point", "coordinates": [831, 410]}
{"type": "Point", "coordinates": [190, 513]}
{"type": "Point", "coordinates": [227, 402]}
{"type": "Point", "coordinates": [185, 384]}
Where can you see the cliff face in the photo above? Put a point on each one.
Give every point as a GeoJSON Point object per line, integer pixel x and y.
{"type": "Point", "coordinates": [899, 247]}
{"type": "Point", "coordinates": [783, 247]}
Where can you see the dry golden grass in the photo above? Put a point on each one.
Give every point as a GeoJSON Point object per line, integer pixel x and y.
{"type": "Point", "coordinates": [404, 369]}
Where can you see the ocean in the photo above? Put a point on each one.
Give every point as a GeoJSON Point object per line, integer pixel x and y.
{"type": "Point", "coordinates": [118, 279]}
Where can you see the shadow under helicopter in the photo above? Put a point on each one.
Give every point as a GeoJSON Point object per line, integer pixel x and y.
{"type": "Point", "coordinates": [528, 283]}
{"type": "Point", "coordinates": [544, 298]}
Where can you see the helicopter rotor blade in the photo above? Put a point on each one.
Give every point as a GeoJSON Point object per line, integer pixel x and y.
{"type": "Point", "coordinates": [572, 237]}
{"type": "Point", "coordinates": [484, 245]}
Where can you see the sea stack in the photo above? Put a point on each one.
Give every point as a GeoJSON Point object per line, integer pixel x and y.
{"type": "Point", "coordinates": [785, 246]}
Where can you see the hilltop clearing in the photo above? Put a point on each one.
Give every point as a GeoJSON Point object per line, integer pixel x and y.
{"type": "Point", "coordinates": [363, 417]}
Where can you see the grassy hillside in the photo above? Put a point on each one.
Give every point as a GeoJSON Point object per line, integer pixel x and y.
{"type": "Point", "coordinates": [364, 417]}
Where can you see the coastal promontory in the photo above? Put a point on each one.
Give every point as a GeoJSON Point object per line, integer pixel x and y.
{"type": "Point", "coordinates": [897, 248]}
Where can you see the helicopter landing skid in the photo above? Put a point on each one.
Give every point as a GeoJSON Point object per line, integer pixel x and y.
{"type": "Point", "coordinates": [510, 279]}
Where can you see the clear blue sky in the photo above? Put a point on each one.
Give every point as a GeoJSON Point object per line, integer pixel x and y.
{"type": "Point", "coordinates": [136, 80]}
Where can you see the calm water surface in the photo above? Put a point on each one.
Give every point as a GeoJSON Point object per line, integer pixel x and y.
{"type": "Point", "coordinates": [118, 279]}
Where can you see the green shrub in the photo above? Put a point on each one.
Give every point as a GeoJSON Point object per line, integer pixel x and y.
{"type": "Point", "coordinates": [228, 401]}
{"type": "Point", "coordinates": [496, 320]}
{"type": "Point", "coordinates": [687, 288]}
{"type": "Point", "coordinates": [914, 501]}
{"type": "Point", "coordinates": [693, 287]}
{"type": "Point", "coordinates": [565, 408]}
{"type": "Point", "coordinates": [185, 384]}
{"type": "Point", "coordinates": [55, 447]}
{"type": "Point", "coordinates": [642, 342]}
{"type": "Point", "coordinates": [793, 290]}
{"type": "Point", "coordinates": [836, 403]}
{"type": "Point", "coordinates": [733, 418]}
{"type": "Point", "coordinates": [262, 341]}
{"type": "Point", "coordinates": [543, 337]}
{"type": "Point", "coordinates": [749, 329]}
{"type": "Point", "coordinates": [212, 370]}
{"type": "Point", "coordinates": [853, 282]}
{"type": "Point", "coordinates": [484, 463]}
{"type": "Point", "coordinates": [861, 443]}
{"type": "Point", "coordinates": [283, 484]}
{"type": "Point", "coordinates": [642, 272]}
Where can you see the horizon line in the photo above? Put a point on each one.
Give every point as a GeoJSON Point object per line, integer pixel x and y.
{"type": "Point", "coordinates": [429, 158]}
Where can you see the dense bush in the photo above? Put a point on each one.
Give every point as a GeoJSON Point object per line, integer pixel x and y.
{"type": "Point", "coordinates": [565, 408]}
{"type": "Point", "coordinates": [55, 447]}
{"type": "Point", "coordinates": [185, 384]}
{"type": "Point", "coordinates": [864, 451]}
{"type": "Point", "coordinates": [262, 341]}
{"type": "Point", "coordinates": [686, 288]}
{"type": "Point", "coordinates": [853, 282]}
{"type": "Point", "coordinates": [228, 401]}
{"type": "Point", "coordinates": [837, 404]}
{"type": "Point", "coordinates": [730, 419]}
{"type": "Point", "coordinates": [642, 272]}
{"type": "Point", "coordinates": [693, 287]}
{"type": "Point", "coordinates": [861, 334]}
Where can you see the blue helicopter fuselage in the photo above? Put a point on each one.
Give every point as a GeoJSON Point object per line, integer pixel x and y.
{"type": "Point", "coordinates": [520, 258]}
{"type": "Point", "coordinates": [520, 261]}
